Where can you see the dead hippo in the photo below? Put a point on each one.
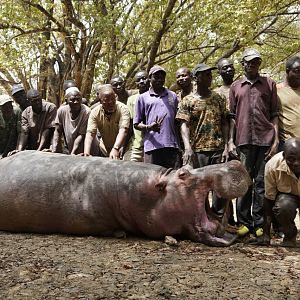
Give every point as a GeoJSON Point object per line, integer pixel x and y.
{"type": "Point", "coordinates": [55, 193]}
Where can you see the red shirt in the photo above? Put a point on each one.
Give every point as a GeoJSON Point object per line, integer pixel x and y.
{"type": "Point", "coordinates": [253, 106]}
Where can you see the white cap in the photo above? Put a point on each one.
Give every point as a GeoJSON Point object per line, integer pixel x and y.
{"type": "Point", "coordinates": [4, 99]}
{"type": "Point", "coordinates": [71, 90]}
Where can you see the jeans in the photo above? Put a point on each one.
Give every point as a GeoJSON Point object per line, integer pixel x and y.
{"type": "Point", "coordinates": [166, 157]}
{"type": "Point", "coordinates": [249, 208]}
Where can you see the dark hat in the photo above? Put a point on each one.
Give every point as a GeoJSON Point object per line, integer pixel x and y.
{"type": "Point", "coordinates": [156, 69]}
{"type": "Point", "coordinates": [250, 53]}
{"type": "Point", "coordinates": [16, 88]}
{"type": "Point", "coordinates": [4, 99]}
{"type": "Point", "coordinates": [201, 68]}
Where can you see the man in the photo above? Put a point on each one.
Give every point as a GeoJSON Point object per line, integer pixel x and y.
{"type": "Point", "coordinates": [204, 124]}
{"type": "Point", "coordinates": [289, 100]}
{"type": "Point", "coordinates": [72, 83]}
{"type": "Point", "coordinates": [71, 122]}
{"type": "Point", "coordinates": [135, 151]}
{"type": "Point", "coordinates": [112, 119]}
{"type": "Point", "coordinates": [254, 117]}
{"type": "Point", "coordinates": [282, 195]}
{"type": "Point", "coordinates": [118, 84]}
{"type": "Point", "coordinates": [37, 123]}
{"type": "Point", "coordinates": [184, 82]}
{"type": "Point", "coordinates": [10, 125]}
{"type": "Point", "coordinates": [227, 71]}
{"type": "Point", "coordinates": [19, 95]}
{"type": "Point", "coordinates": [155, 116]}
{"type": "Point", "coordinates": [96, 101]}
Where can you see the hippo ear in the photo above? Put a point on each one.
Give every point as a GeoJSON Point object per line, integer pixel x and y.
{"type": "Point", "coordinates": [161, 185]}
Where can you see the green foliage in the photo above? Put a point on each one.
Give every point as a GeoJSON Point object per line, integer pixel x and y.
{"type": "Point", "coordinates": [92, 40]}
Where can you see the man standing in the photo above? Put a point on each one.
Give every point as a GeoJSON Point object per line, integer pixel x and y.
{"type": "Point", "coordinates": [155, 116]}
{"type": "Point", "coordinates": [289, 102]}
{"type": "Point", "coordinates": [282, 197]}
{"type": "Point", "coordinates": [227, 71]}
{"type": "Point", "coordinates": [71, 122]}
{"type": "Point", "coordinates": [118, 85]}
{"type": "Point", "coordinates": [37, 123]}
{"type": "Point", "coordinates": [19, 95]}
{"type": "Point", "coordinates": [112, 119]}
{"type": "Point", "coordinates": [204, 123]}
{"type": "Point", "coordinates": [184, 82]}
{"type": "Point", "coordinates": [10, 125]}
{"type": "Point", "coordinates": [254, 117]}
{"type": "Point", "coordinates": [135, 151]}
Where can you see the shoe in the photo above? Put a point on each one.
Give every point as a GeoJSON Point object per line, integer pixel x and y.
{"type": "Point", "coordinates": [278, 235]}
{"type": "Point", "coordinates": [243, 230]}
{"type": "Point", "coordinates": [259, 232]}
{"type": "Point", "coordinates": [289, 242]}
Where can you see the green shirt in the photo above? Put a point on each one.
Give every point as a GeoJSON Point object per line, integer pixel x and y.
{"type": "Point", "coordinates": [136, 141]}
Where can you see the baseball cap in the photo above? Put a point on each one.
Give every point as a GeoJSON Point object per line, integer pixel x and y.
{"type": "Point", "coordinates": [4, 99]}
{"type": "Point", "coordinates": [16, 88]}
{"type": "Point", "coordinates": [201, 68]}
{"type": "Point", "coordinates": [156, 69]}
{"type": "Point", "coordinates": [250, 53]}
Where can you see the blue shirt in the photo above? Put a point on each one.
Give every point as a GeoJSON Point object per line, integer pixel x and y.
{"type": "Point", "coordinates": [149, 106]}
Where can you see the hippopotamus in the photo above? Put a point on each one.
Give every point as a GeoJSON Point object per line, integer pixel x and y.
{"type": "Point", "coordinates": [44, 192]}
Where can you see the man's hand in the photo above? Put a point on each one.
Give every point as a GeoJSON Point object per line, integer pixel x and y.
{"type": "Point", "coordinates": [12, 152]}
{"type": "Point", "coordinates": [155, 126]}
{"type": "Point", "coordinates": [187, 158]}
{"type": "Point", "coordinates": [272, 151]}
{"type": "Point", "coordinates": [232, 148]}
{"type": "Point", "coordinates": [114, 154]}
{"type": "Point", "coordinates": [225, 155]}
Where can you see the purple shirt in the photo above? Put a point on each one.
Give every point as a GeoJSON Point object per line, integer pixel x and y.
{"type": "Point", "coordinates": [150, 105]}
{"type": "Point", "coordinates": [254, 106]}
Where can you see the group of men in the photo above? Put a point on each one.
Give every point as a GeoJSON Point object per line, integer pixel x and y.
{"type": "Point", "coordinates": [250, 119]}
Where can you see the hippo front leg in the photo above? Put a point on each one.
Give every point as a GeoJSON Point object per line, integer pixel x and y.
{"type": "Point", "coordinates": [226, 240]}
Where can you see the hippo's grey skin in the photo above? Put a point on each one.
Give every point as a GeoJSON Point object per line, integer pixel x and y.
{"type": "Point", "coordinates": [54, 193]}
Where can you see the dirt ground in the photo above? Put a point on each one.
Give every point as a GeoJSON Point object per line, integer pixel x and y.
{"type": "Point", "coordinates": [66, 267]}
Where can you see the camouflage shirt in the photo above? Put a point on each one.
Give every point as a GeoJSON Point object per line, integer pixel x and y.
{"type": "Point", "coordinates": [204, 117]}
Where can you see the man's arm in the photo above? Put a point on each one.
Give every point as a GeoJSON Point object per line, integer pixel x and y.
{"type": "Point", "coordinates": [79, 139]}
{"type": "Point", "coordinates": [57, 138]}
{"type": "Point", "coordinates": [267, 208]}
{"type": "Point", "coordinates": [232, 124]}
{"type": "Point", "coordinates": [119, 143]}
{"type": "Point", "coordinates": [22, 141]}
{"type": "Point", "coordinates": [273, 149]}
{"type": "Point", "coordinates": [88, 143]}
{"type": "Point", "coordinates": [224, 126]}
{"type": "Point", "coordinates": [188, 151]}
{"type": "Point", "coordinates": [45, 138]}
{"type": "Point", "coordinates": [231, 144]}
{"type": "Point", "coordinates": [269, 200]}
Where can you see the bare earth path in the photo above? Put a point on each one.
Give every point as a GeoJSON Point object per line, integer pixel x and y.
{"type": "Point", "coordinates": [68, 267]}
